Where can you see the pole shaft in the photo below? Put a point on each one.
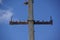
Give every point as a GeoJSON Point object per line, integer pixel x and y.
{"type": "Point", "coordinates": [30, 17]}
{"type": "Point", "coordinates": [30, 10]}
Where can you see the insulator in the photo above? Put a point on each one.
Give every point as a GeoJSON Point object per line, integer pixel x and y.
{"type": "Point", "coordinates": [25, 3]}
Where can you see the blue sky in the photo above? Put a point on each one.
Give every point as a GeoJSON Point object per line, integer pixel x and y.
{"type": "Point", "coordinates": [43, 9]}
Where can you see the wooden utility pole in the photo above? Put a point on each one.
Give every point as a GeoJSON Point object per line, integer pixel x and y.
{"type": "Point", "coordinates": [31, 20]}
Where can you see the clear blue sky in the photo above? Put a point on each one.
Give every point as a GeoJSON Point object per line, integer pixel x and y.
{"type": "Point", "coordinates": [43, 9]}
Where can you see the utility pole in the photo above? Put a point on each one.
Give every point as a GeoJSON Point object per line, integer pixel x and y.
{"type": "Point", "coordinates": [31, 20]}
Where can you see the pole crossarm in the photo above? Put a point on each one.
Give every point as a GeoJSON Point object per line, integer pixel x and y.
{"type": "Point", "coordinates": [35, 22]}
